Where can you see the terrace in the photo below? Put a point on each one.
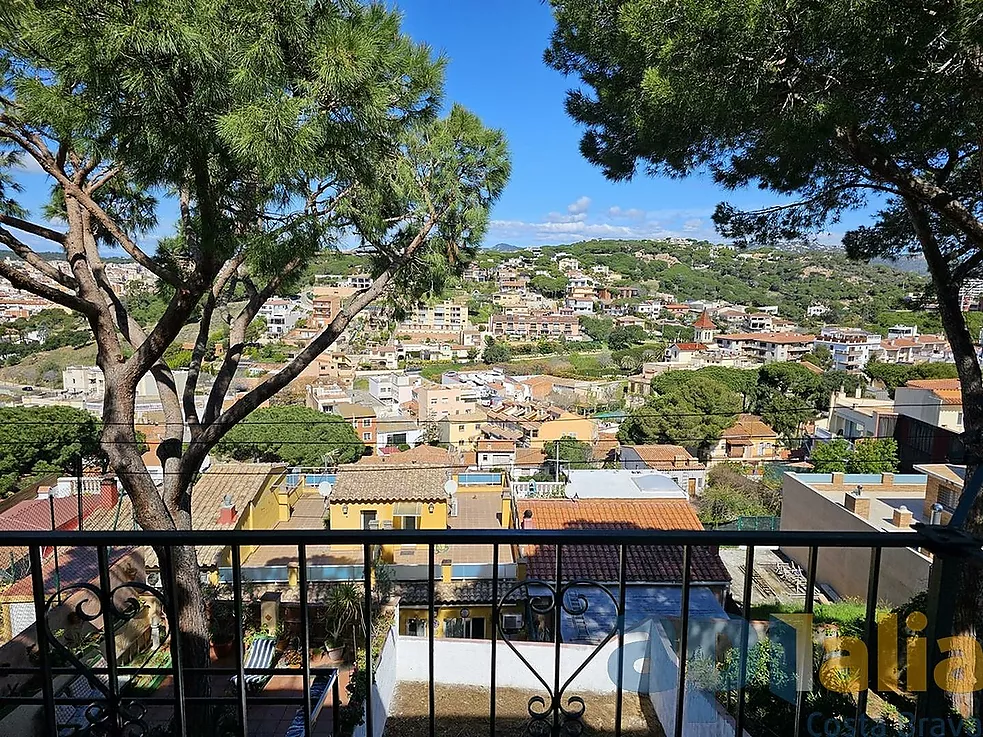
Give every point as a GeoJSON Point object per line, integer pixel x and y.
{"type": "Point", "coordinates": [527, 670]}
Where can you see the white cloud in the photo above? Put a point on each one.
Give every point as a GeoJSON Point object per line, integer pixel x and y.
{"type": "Point", "coordinates": [28, 165]}
{"type": "Point", "coordinates": [579, 206]}
{"type": "Point", "coordinates": [577, 223]}
{"type": "Point", "coordinates": [631, 213]}
{"type": "Point", "coordinates": [559, 217]}
{"type": "Point", "coordinates": [556, 232]}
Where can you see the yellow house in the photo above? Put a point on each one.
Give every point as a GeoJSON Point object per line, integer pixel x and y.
{"type": "Point", "coordinates": [238, 496]}
{"type": "Point", "coordinates": [463, 604]}
{"type": "Point", "coordinates": [461, 431]}
{"type": "Point", "coordinates": [389, 497]}
{"type": "Point", "coordinates": [567, 425]}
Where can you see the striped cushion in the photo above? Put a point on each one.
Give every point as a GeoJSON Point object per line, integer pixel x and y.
{"type": "Point", "coordinates": [319, 693]}
{"type": "Point", "coordinates": [261, 654]}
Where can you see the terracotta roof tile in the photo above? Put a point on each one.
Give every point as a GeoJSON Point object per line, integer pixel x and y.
{"type": "Point", "coordinates": [781, 338]}
{"type": "Point", "coordinates": [496, 446]}
{"type": "Point", "coordinates": [421, 455]}
{"type": "Point", "coordinates": [650, 563]}
{"type": "Point", "coordinates": [390, 482]}
{"type": "Point", "coordinates": [529, 457]}
{"type": "Point", "coordinates": [663, 457]}
{"type": "Point", "coordinates": [704, 321]}
{"type": "Point", "coordinates": [242, 481]}
{"type": "Point", "coordinates": [934, 384]}
{"type": "Point", "coordinates": [748, 427]}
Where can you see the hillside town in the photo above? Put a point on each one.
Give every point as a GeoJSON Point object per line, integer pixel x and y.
{"type": "Point", "coordinates": [352, 386]}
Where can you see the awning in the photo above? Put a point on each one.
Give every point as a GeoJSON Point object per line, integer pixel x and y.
{"type": "Point", "coordinates": [408, 509]}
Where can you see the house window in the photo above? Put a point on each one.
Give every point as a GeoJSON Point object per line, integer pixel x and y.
{"type": "Point", "coordinates": [368, 518]}
{"type": "Point", "coordinates": [948, 497]}
{"type": "Point", "coordinates": [461, 428]}
{"type": "Point", "coordinates": [366, 436]}
{"type": "Point", "coordinates": [416, 627]}
{"type": "Point", "coordinates": [465, 627]}
{"type": "Point", "coordinates": [367, 422]}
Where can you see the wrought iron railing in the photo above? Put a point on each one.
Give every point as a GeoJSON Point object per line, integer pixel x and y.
{"type": "Point", "coordinates": [104, 703]}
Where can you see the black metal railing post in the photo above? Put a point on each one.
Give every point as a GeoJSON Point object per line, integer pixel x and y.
{"type": "Point", "coordinates": [174, 637]}
{"type": "Point", "coordinates": [40, 626]}
{"type": "Point", "coordinates": [745, 641]}
{"type": "Point", "coordinates": [557, 638]}
{"type": "Point", "coordinates": [336, 706]}
{"type": "Point", "coordinates": [801, 688]}
{"type": "Point", "coordinates": [431, 634]}
{"type": "Point", "coordinates": [239, 638]}
{"type": "Point", "coordinates": [870, 632]}
{"type": "Point", "coordinates": [109, 629]}
{"type": "Point", "coordinates": [683, 644]}
{"type": "Point", "coordinates": [622, 598]}
{"type": "Point", "coordinates": [496, 617]}
{"type": "Point", "coordinates": [305, 641]}
{"type": "Point", "coordinates": [369, 665]}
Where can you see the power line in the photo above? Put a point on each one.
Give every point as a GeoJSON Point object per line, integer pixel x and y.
{"type": "Point", "coordinates": [402, 421]}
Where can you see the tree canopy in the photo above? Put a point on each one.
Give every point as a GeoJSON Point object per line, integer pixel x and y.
{"type": "Point", "coordinates": [692, 414]}
{"type": "Point", "coordinates": [832, 107]}
{"type": "Point", "coordinates": [866, 455]}
{"type": "Point", "coordinates": [893, 375]}
{"type": "Point", "coordinates": [292, 434]}
{"type": "Point", "coordinates": [272, 132]}
{"type": "Point", "coordinates": [621, 338]}
{"type": "Point", "coordinates": [44, 439]}
{"type": "Point", "coordinates": [572, 453]}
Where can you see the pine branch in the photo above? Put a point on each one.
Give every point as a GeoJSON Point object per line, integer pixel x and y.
{"type": "Point", "coordinates": [27, 283]}
{"type": "Point", "coordinates": [241, 408]}
{"type": "Point", "coordinates": [30, 257]}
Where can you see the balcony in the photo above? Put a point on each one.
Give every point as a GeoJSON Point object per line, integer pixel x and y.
{"type": "Point", "coordinates": [555, 653]}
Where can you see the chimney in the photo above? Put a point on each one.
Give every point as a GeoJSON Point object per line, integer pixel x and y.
{"type": "Point", "coordinates": [446, 570]}
{"type": "Point", "coordinates": [901, 517]}
{"type": "Point", "coordinates": [227, 514]}
{"type": "Point", "coordinates": [108, 492]}
{"type": "Point", "coordinates": [837, 479]}
{"type": "Point", "coordinates": [856, 502]}
{"type": "Point", "coordinates": [527, 520]}
{"type": "Point", "coordinates": [937, 514]}
{"type": "Point", "coordinates": [887, 479]}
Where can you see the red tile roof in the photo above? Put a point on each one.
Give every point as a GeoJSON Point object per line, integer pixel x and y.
{"type": "Point", "coordinates": [690, 346]}
{"type": "Point", "coordinates": [663, 457]}
{"type": "Point", "coordinates": [704, 321]}
{"type": "Point", "coordinates": [947, 390]}
{"type": "Point", "coordinates": [421, 455]}
{"type": "Point", "coordinates": [748, 427]}
{"type": "Point", "coordinates": [35, 514]}
{"type": "Point", "coordinates": [651, 563]}
{"type": "Point", "coordinates": [496, 446]}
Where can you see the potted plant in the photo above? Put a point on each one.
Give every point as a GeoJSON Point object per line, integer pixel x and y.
{"type": "Point", "coordinates": [342, 612]}
{"type": "Point", "coordinates": [221, 624]}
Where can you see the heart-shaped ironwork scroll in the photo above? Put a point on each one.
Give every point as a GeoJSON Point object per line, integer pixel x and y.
{"type": "Point", "coordinates": [556, 714]}
{"type": "Point", "coordinates": [109, 714]}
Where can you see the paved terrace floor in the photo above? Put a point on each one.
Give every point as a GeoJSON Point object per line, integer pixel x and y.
{"type": "Point", "coordinates": [265, 720]}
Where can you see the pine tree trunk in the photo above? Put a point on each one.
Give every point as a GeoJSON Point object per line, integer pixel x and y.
{"type": "Point", "coordinates": [968, 609]}
{"type": "Point", "coordinates": [193, 634]}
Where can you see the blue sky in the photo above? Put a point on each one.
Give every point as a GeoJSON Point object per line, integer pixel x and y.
{"type": "Point", "coordinates": [495, 52]}
{"type": "Point", "coordinates": [495, 68]}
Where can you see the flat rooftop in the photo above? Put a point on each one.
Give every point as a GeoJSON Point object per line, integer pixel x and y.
{"type": "Point", "coordinates": [903, 490]}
